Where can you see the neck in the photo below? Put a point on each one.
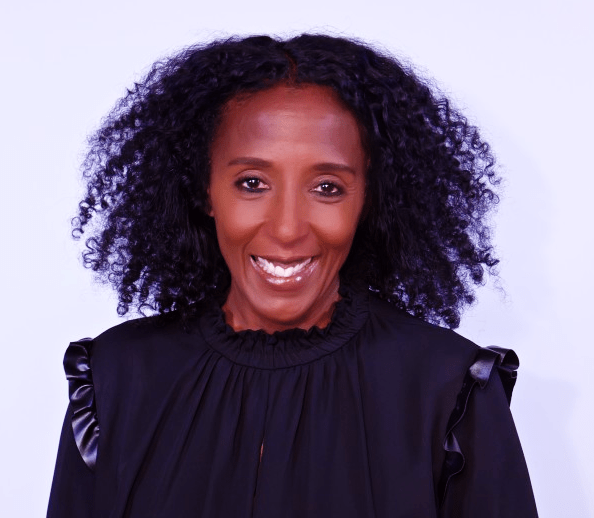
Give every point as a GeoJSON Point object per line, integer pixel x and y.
{"type": "Point", "coordinates": [239, 316]}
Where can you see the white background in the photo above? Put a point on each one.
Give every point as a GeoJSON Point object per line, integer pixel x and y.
{"type": "Point", "coordinates": [522, 70]}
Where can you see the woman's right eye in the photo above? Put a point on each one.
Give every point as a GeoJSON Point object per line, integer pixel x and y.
{"type": "Point", "coordinates": [251, 184]}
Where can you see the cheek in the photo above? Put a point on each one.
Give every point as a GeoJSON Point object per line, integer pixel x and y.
{"type": "Point", "coordinates": [336, 228]}
{"type": "Point", "coordinates": [236, 224]}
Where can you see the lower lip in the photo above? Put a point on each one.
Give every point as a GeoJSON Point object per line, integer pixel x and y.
{"type": "Point", "coordinates": [286, 283]}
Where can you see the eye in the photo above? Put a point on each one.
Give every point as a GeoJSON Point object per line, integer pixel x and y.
{"type": "Point", "coordinates": [328, 189]}
{"type": "Point", "coordinates": [251, 184]}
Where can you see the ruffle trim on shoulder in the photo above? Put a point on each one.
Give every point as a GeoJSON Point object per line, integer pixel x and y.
{"type": "Point", "coordinates": [478, 373]}
{"type": "Point", "coordinates": [85, 425]}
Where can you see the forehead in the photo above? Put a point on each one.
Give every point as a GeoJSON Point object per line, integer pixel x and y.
{"type": "Point", "coordinates": [307, 114]}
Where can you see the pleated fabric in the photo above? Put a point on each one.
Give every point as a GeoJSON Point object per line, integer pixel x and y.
{"type": "Point", "coordinates": [353, 420]}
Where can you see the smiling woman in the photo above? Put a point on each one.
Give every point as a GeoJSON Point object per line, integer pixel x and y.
{"type": "Point", "coordinates": [286, 192]}
{"type": "Point", "coordinates": [297, 215]}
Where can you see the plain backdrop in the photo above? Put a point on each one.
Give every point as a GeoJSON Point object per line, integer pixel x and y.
{"type": "Point", "coordinates": [521, 70]}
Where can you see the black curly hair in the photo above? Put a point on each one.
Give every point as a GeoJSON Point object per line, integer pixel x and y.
{"type": "Point", "coordinates": [423, 245]}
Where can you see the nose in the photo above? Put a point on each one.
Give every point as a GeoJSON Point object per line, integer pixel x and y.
{"type": "Point", "coordinates": [288, 223]}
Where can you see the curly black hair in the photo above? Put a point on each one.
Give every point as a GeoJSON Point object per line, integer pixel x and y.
{"type": "Point", "coordinates": [424, 243]}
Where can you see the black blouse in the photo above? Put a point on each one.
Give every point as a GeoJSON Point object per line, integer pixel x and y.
{"type": "Point", "coordinates": [377, 415]}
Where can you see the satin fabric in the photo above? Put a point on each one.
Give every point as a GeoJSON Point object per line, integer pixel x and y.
{"type": "Point", "coordinates": [355, 420]}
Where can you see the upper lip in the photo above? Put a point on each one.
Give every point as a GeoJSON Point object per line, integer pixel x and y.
{"type": "Point", "coordinates": [288, 261]}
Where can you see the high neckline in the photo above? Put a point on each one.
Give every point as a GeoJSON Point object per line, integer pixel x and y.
{"type": "Point", "coordinates": [289, 347]}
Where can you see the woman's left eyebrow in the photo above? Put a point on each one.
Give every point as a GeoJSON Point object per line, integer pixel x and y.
{"type": "Point", "coordinates": [329, 167]}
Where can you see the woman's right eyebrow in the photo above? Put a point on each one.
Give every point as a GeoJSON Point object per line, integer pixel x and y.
{"type": "Point", "coordinates": [255, 162]}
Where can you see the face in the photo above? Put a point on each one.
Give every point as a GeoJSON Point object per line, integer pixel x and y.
{"type": "Point", "coordinates": [286, 192]}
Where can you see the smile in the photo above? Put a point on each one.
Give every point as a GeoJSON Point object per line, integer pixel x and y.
{"type": "Point", "coordinates": [282, 272]}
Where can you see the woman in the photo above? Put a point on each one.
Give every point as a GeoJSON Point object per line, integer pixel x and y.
{"type": "Point", "coordinates": [299, 215]}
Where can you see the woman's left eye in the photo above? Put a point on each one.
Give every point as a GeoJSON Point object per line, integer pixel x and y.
{"type": "Point", "coordinates": [328, 189]}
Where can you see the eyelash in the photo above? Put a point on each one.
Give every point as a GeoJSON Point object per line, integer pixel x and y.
{"type": "Point", "coordinates": [242, 184]}
{"type": "Point", "coordinates": [336, 190]}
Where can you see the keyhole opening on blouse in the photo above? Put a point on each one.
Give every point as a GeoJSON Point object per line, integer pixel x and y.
{"type": "Point", "coordinates": [258, 471]}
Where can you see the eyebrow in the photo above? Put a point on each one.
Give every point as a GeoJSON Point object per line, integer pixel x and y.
{"type": "Point", "coordinates": [246, 160]}
{"type": "Point", "coordinates": [329, 167]}
{"type": "Point", "coordinates": [324, 167]}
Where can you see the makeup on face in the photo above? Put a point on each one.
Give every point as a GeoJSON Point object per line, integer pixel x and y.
{"type": "Point", "coordinates": [287, 189]}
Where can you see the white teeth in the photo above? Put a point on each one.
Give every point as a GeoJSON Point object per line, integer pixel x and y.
{"type": "Point", "coordinates": [279, 271]}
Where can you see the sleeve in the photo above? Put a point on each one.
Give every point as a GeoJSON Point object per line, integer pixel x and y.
{"type": "Point", "coordinates": [484, 472]}
{"type": "Point", "coordinates": [73, 485]}
{"type": "Point", "coordinates": [72, 492]}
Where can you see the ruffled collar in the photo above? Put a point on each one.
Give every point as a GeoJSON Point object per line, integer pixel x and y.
{"type": "Point", "coordinates": [290, 347]}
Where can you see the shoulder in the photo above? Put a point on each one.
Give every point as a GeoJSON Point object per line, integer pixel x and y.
{"type": "Point", "coordinates": [159, 342]}
{"type": "Point", "coordinates": [119, 371]}
{"type": "Point", "coordinates": [399, 339]}
{"type": "Point", "coordinates": [148, 331]}
{"type": "Point", "coordinates": [135, 356]}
